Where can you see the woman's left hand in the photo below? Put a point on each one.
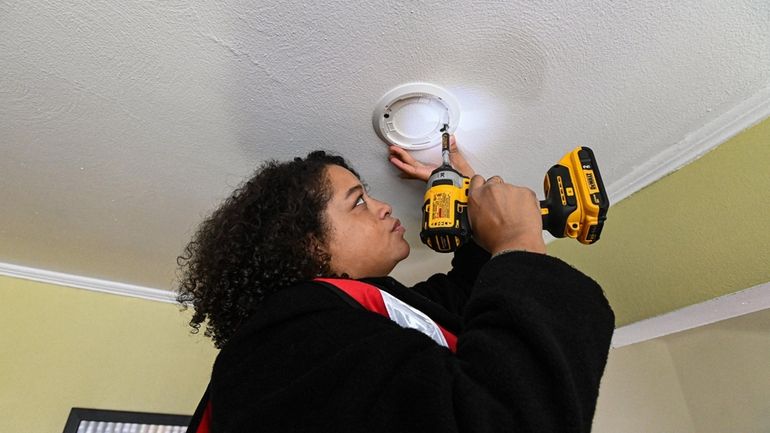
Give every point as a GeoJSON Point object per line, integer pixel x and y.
{"type": "Point", "coordinates": [413, 169]}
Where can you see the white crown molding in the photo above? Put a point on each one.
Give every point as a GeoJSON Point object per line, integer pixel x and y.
{"type": "Point", "coordinates": [714, 310]}
{"type": "Point", "coordinates": [93, 284]}
{"type": "Point", "coordinates": [694, 145]}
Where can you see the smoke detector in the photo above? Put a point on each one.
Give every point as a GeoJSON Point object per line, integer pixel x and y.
{"type": "Point", "coordinates": [413, 115]}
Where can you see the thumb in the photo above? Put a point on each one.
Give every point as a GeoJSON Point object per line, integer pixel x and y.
{"type": "Point", "coordinates": [476, 182]}
{"type": "Point", "coordinates": [452, 143]}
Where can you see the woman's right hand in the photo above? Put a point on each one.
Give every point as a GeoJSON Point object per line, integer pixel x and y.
{"type": "Point", "coordinates": [504, 216]}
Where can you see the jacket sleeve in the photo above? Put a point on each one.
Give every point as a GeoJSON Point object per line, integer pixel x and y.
{"type": "Point", "coordinates": [451, 290]}
{"type": "Point", "coordinates": [542, 331]}
{"type": "Point", "coordinates": [529, 359]}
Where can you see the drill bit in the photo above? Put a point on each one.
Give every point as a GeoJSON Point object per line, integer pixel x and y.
{"type": "Point", "coordinates": [445, 145]}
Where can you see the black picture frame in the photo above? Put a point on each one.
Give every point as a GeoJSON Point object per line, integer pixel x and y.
{"type": "Point", "coordinates": [78, 414]}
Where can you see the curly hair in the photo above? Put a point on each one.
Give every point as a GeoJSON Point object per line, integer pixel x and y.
{"type": "Point", "coordinates": [265, 237]}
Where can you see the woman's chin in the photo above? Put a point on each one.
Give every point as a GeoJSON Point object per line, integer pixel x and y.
{"type": "Point", "coordinates": [407, 250]}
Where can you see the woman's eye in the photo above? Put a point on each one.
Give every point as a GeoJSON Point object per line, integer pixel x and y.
{"type": "Point", "coordinates": [360, 201]}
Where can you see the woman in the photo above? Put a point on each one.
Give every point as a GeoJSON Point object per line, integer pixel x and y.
{"type": "Point", "coordinates": [532, 333]}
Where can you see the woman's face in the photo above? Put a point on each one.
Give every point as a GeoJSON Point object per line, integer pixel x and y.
{"type": "Point", "coordinates": [364, 240]}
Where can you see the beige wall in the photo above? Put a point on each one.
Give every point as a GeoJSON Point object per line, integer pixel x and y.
{"type": "Point", "coordinates": [712, 379]}
{"type": "Point", "coordinates": [724, 372]}
{"type": "Point", "coordinates": [640, 393]}
{"type": "Point", "coordinates": [63, 347]}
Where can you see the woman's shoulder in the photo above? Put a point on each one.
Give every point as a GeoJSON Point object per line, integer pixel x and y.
{"type": "Point", "coordinates": [298, 300]}
{"type": "Point", "coordinates": [306, 320]}
{"type": "Point", "coordinates": [303, 308]}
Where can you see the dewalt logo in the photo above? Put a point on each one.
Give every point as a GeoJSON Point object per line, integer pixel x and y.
{"type": "Point", "coordinates": [591, 180]}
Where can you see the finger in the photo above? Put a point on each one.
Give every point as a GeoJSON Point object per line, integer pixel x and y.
{"type": "Point", "coordinates": [406, 168]}
{"type": "Point", "coordinates": [461, 164]}
{"type": "Point", "coordinates": [403, 155]}
{"type": "Point", "coordinates": [476, 183]}
{"type": "Point", "coordinates": [458, 160]}
{"type": "Point", "coordinates": [495, 179]}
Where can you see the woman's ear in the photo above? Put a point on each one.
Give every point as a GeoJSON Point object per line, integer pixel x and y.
{"type": "Point", "coordinates": [320, 255]}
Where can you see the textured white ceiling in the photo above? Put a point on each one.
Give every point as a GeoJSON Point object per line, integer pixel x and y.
{"type": "Point", "coordinates": [122, 124]}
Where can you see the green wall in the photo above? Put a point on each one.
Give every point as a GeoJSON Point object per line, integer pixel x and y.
{"type": "Point", "coordinates": [62, 348]}
{"type": "Point", "coordinates": [699, 233]}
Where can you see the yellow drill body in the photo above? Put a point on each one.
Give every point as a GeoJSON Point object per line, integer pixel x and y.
{"type": "Point", "coordinates": [445, 224]}
{"type": "Point", "coordinates": [575, 206]}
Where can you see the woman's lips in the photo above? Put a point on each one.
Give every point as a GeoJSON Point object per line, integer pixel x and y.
{"type": "Point", "coordinates": [398, 227]}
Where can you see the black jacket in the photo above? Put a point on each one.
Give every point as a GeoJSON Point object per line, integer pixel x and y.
{"type": "Point", "coordinates": [533, 336]}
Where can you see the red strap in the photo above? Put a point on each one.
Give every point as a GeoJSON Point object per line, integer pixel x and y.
{"type": "Point", "coordinates": [204, 426]}
{"type": "Point", "coordinates": [451, 339]}
{"type": "Point", "coordinates": [369, 297]}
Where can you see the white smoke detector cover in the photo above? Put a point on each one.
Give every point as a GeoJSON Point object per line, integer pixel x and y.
{"type": "Point", "coordinates": [413, 115]}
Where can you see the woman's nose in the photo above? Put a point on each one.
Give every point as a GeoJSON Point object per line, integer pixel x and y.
{"type": "Point", "coordinates": [383, 209]}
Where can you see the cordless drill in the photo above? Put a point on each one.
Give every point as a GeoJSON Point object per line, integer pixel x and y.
{"type": "Point", "coordinates": [575, 206]}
